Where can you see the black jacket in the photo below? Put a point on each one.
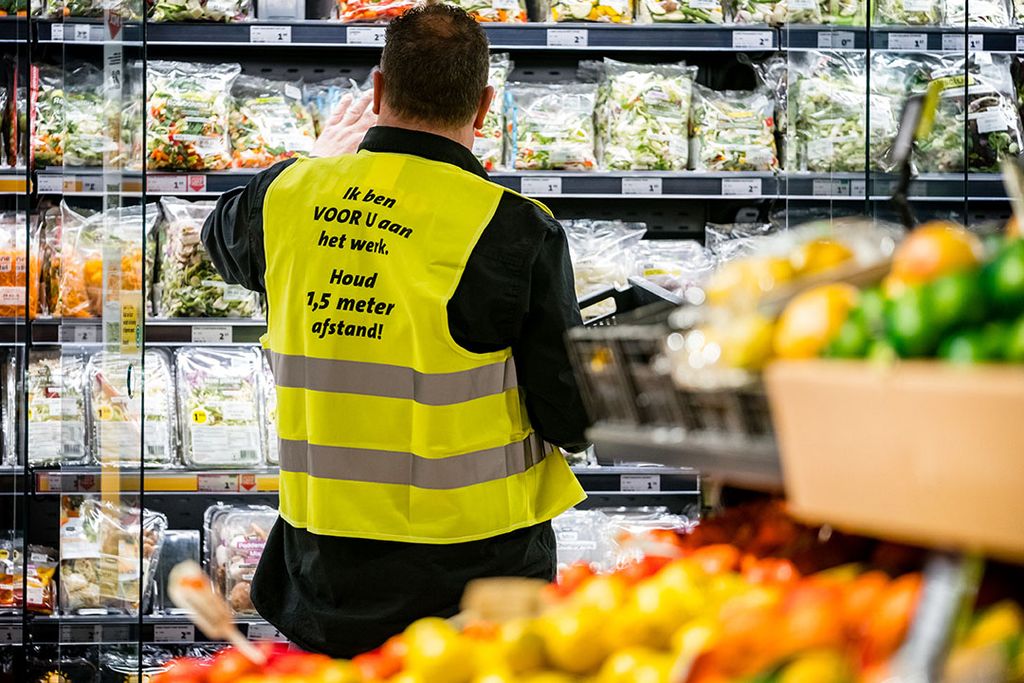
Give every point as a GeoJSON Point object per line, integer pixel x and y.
{"type": "Point", "coordinates": [342, 596]}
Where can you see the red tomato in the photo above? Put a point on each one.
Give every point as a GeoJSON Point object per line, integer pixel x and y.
{"type": "Point", "coordinates": [718, 558]}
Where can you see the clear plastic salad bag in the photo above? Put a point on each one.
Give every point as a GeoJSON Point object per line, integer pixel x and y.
{"type": "Point", "coordinates": [804, 12]}
{"type": "Point", "coordinates": [55, 397]}
{"type": "Point", "coordinates": [49, 126]}
{"type": "Point", "coordinates": [757, 11]}
{"type": "Point", "coordinates": [487, 145]}
{"type": "Point", "coordinates": [19, 269]}
{"type": "Point", "coordinates": [269, 122]}
{"type": "Point", "coordinates": [235, 538]}
{"type": "Point", "coordinates": [504, 11]}
{"type": "Point", "coordinates": [108, 556]}
{"type": "Point", "coordinates": [379, 11]}
{"type": "Point", "coordinates": [550, 126]}
{"type": "Point", "coordinates": [674, 265]}
{"type": "Point", "coordinates": [89, 119]}
{"type": "Point", "coordinates": [904, 12]}
{"type": "Point", "coordinates": [218, 396]}
{"type": "Point", "coordinates": [991, 13]}
{"type": "Point", "coordinates": [643, 118]}
{"type": "Point", "coordinates": [115, 403]}
{"type": "Point", "coordinates": [603, 255]}
{"type": "Point", "coordinates": [190, 286]}
{"type": "Point", "coordinates": [323, 97]}
{"type": "Point", "coordinates": [733, 130]}
{"type": "Point", "coordinates": [613, 11]}
{"type": "Point", "coordinates": [202, 10]}
{"type": "Point", "coordinates": [271, 447]}
{"type": "Point", "coordinates": [189, 106]}
{"type": "Point", "coordinates": [680, 11]}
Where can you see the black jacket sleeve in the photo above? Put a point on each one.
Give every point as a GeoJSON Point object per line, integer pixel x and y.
{"type": "Point", "coordinates": [233, 232]}
{"type": "Point", "coordinates": [542, 359]}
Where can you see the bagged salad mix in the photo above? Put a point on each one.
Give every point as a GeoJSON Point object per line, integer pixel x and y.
{"type": "Point", "coordinates": [117, 424]}
{"type": "Point", "coordinates": [189, 105]}
{"type": "Point", "coordinates": [271, 446]}
{"type": "Point", "coordinates": [19, 269]}
{"type": "Point", "coordinates": [680, 11]}
{"type": "Point", "coordinates": [201, 10]}
{"type": "Point", "coordinates": [235, 538]}
{"type": "Point", "coordinates": [108, 555]}
{"type": "Point", "coordinates": [91, 123]}
{"type": "Point", "coordinates": [190, 287]}
{"type": "Point", "coordinates": [269, 122]}
{"type": "Point", "coordinates": [733, 130]}
{"type": "Point", "coordinates": [505, 11]}
{"type": "Point", "coordinates": [487, 145]}
{"type": "Point", "coordinates": [55, 397]}
{"type": "Point", "coordinates": [49, 126]}
{"type": "Point", "coordinates": [380, 11]}
{"type": "Point", "coordinates": [34, 575]}
{"type": "Point", "coordinates": [550, 126]}
{"type": "Point", "coordinates": [613, 11]}
{"type": "Point", "coordinates": [323, 97]}
{"type": "Point", "coordinates": [676, 265]}
{"type": "Point", "coordinates": [907, 12]}
{"type": "Point", "coordinates": [992, 13]}
{"type": "Point", "coordinates": [219, 397]}
{"type": "Point", "coordinates": [643, 115]}
{"type": "Point", "coordinates": [603, 255]}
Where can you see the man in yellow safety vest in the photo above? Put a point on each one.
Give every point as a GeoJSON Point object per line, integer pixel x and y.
{"type": "Point", "coordinates": [416, 314]}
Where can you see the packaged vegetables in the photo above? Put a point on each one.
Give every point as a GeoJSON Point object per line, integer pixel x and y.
{"type": "Point", "coordinates": [323, 97]}
{"type": "Point", "coordinates": [838, 12]}
{"type": "Point", "coordinates": [509, 11]}
{"type": "Point", "coordinates": [201, 10]}
{"type": "Point", "coordinates": [38, 582]}
{"type": "Point", "coordinates": [218, 396]}
{"type": "Point", "coordinates": [733, 130]}
{"type": "Point", "coordinates": [550, 126]}
{"type": "Point", "coordinates": [270, 444]}
{"type": "Point", "coordinates": [19, 269]}
{"type": "Point", "coordinates": [643, 115]}
{"type": "Point", "coordinates": [54, 384]}
{"type": "Point", "coordinates": [48, 123]}
{"type": "Point", "coordinates": [913, 12]}
{"type": "Point", "coordinates": [269, 122]}
{"type": "Point", "coordinates": [487, 144]}
{"type": "Point", "coordinates": [108, 556]}
{"type": "Point", "coordinates": [372, 10]}
{"type": "Point", "coordinates": [676, 265]}
{"type": "Point", "coordinates": [680, 11]}
{"type": "Point", "coordinates": [603, 255]}
{"type": "Point", "coordinates": [994, 13]}
{"type": "Point", "coordinates": [614, 11]}
{"type": "Point", "coordinates": [189, 106]}
{"type": "Point", "coordinates": [190, 287]}
{"type": "Point", "coordinates": [115, 408]}
{"type": "Point", "coordinates": [89, 120]}
{"type": "Point", "coordinates": [235, 537]}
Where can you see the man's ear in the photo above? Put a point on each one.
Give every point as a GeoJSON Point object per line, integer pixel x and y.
{"type": "Point", "coordinates": [378, 90]}
{"type": "Point", "coordinates": [485, 105]}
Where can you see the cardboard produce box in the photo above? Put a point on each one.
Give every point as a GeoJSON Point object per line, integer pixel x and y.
{"type": "Point", "coordinates": [922, 452]}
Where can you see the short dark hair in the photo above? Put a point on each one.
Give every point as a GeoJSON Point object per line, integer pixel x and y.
{"type": "Point", "coordinates": [434, 65]}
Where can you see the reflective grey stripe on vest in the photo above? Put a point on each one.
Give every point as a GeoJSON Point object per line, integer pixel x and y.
{"type": "Point", "coordinates": [391, 381]}
{"type": "Point", "coordinates": [390, 467]}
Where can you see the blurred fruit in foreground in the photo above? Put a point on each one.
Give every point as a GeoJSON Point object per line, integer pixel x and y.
{"type": "Point", "coordinates": [930, 251]}
{"type": "Point", "coordinates": [1003, 279]}
{"type": "Point", "coordinates": [744, 281]}
{"type": "Point", "coordinates": [910, 323]}
{"type": "Point", "coordinates": [819, 255]}
{"type": "Point", "coordinates": [812, 319]}
{"type": "Point", "coordinates": [744, 341]}
{"type": "Point", "coordinates": [437, 652]}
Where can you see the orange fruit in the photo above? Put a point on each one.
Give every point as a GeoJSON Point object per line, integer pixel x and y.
{"type": "Point", "coordinates": [811, 319]}
{"type": "Point", "coordinates": [819, 255]}
{"type": "Point", "coordinates": [1012, 228]}
{"type": "Point", "coordinates": [935, 249]}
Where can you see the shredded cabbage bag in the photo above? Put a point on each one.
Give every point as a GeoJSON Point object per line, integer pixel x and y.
{"type": "Point", "coordinates": [550, 126]}
{"type": "Point", "coordinates": [913, 12]}
{"type": "Point", "coordinates": [487, 144]}
{"type": "Point", "coordinates": [505, 11]}
{"type": "Point", "coordinates": [681, 11]}
{"type": "Point", "coordinates": [993, 13]}
{"type": "Point", "coordinates": [188, 115]}
{"type": "Point", "coordinates": [733, 130]}
{"type": "Point", "coordinates": [614, 11]}
{"type": "Point", "coordinates": [190, 286]}
{"type": "Point", "coordinates": [269, 122]}
{"type": "Point", "coordinates": [643, 115]}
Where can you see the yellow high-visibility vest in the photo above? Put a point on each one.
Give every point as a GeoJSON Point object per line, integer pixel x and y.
{"type": "Point", "coordinates": [389, 429]}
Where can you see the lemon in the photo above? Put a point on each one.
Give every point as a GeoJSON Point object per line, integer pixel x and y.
{"type": "Point", "coordinates": [812, 319]}
{"type": "Point", "coordinates": [997, 624]}
{"type": "Point", "coordinates": [437, 653]}
{"type": "Point", "coordinates": [822, 666]}
{"type": "Point", "coordinates": [819, 255]}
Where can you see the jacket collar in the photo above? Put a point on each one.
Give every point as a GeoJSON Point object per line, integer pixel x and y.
{"type": "Point", "coordinates": [418, 143]}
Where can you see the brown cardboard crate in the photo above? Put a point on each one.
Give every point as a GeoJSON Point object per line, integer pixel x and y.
{"type": "Point", "coordinates": [922, 452]}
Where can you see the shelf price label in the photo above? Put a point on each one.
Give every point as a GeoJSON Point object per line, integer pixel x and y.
{"type": "Point", "coordinates": [174, 633]}
{"type": "Point", "coordinates": [741, 187]}
{"type": "Point", "coordinates": [365, 35]}
{"type": "Point", "coordinates": [908, 41]}
{"type": "Point", "coordinates": [270, 34]}
{"type": "Point", "coordinates": [955, 42]}
{"type": "Point", "coordinates": [641, 186]}
{"type": "Point", "coordinates": [11, 635]}
{"type": "Point", "coordinates": [567, 37]}
{"type": "Point", "coordinates": [82, 33]}
{"type": "Point", "coordinates": [837, 40]}
{"type": "Point", "coordinates": [87, 333]}
{"type": "Point", "coordinates": [81, 633]}
{"type": "Point", "coordinates": [217, 483]}
{"type": "Point", "coordinates": [212, 334]}
{"type": "Point", "coordinates": [50, 182]}
{"type": "Point", "coordinates": [261, 630]}
{"type": "Point", "coordinates": [536, 185]}
{"type": "Point", "coordinates": [167, 183]}
{"type": "Point", "coordinates": [858, 188]}
{"type": "Point", "coordinates": [1020, 43]}
{"type": "Point", "coordinates": [752, 40]}
{"type": "Point", "coordinates": [57, 33]}
{"type": "Point", "coordinates": [824, 187]}
{"type": "Point", "coordinates": [633, 483]}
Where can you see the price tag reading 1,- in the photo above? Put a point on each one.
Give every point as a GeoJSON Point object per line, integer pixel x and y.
{"type": "Point", "coordinates": [741, 187]}
{"type": "Point", "coordinates": [639, 482]}
{"type": "Point", "coordinates": [270, 34]}
{"type": "Point", "coordinates": [567, 37]}
{"type": "Point", "coordinates": [908, 41]}
{"type": "Point", "coordinates": [641, 186]}
{"type": "Point", "coordinates": [365, 35]}
{"type": "Point", "coordinates": [541, 186]}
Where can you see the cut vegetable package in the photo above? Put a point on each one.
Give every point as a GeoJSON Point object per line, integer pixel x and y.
{"type": "Point", "coordinates": [218, 396]}
{"type": "Point", "coordinates": [487, 145]}
{"type": "Point", "coordinates": [904, 12]}
{"type": "Point", "coordinates": [189, 105]}
{"type": "Point", "coordinates": [190, 286]}
{"type": "Point", "coordinates": [550, 126]}
{"type": "Point", "coordinates": [506, 11]}
{"type": "Point", "coordinates": [271, 447]}
{"type": "Point", "coordinates": [373, 10]}
{"type": "Point", "coordinates": [603, 255]}
{"type": "Point", "coordinates": [990, 13]}
{"type": "Point", "coordinates": [680, 11]}
{"type": "Point", "coordinates": [108, 556]}
{"type": "Point", "coordinates": [674, 265]}
{"type": "Point", "coordinates": [269, 122]}
{"type": "Point", "coordinates": [613, 11]}
{"type": "Point", "coordinates": [48, 122]}
{"type": "Point", "coordinates": [115, 409]}
{"type": "Point", "coordinates": [55, 388]}
{"type": "Point", "coordinates": [643, 115]}
{"type": "Point", "coordinates": [733, 130]}
{"type": "Point", "coordinates": [19, 269]}
{"type": "Point", "coordinates": [235, 538]}
{"type": "Point", "coordinates": [201, 10]}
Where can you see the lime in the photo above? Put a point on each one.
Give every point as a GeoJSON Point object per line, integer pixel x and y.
{"type": "Point", "coordinates": [1004, 278]}
{"type": "Point", "coordinates": [881, 351]}
{"type": "Point", "coordinates": [852, 339]}
{"type": "Point", "coordinates": [956, 300]}
{"type": "Point", "coordinates": [872, 306]}
{"type": "Point", "coordinates": [965, 347]}
{"type": "Point", "coordinates": [1014, 351]}
{"type": "Point", "coordinates": [995, 336]}
{"type": "Point", "coordinates": [909, 324]}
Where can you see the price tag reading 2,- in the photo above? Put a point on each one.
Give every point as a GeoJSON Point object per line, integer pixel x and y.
{"type": "Point", "coordinates": [741, 187]}
{"type": "Point", "coordinates": [567, 37]}
{"type": "Point", "coordinates": [365, 35]}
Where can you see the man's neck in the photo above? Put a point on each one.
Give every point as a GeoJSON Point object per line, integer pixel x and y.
{"type": "Point", "coordinates": [463, 136]}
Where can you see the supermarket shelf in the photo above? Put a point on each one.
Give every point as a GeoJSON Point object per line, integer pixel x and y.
{"type": "Point", "coordinates": [12, 630]}
{"type": "Point", "coordinates": [13, 180]}
{"type": "Point", "coordinates": [12, 331]}
{"type": "Point", "coordinates": [158, 331]}
{"type": "Point", "coordinates": [746, 464]}
{"type": "Point", "coordinates": [12, 482]}
{"type": "Point", "coordinates": [87, 31]}
{"type": "Point", "coordinates": [13, 30]}
{"type": "Point", "coordinates": [916, 38]}
{"type": "Point", "coordinates": [114, 629]}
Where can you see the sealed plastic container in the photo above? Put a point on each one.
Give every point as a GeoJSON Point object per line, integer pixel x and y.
{"type": "Point", "coordinates": [54, 382]}
{"type": "Point", "coordinates": [116, 423]}
{"type": "Point", "coordinates": [219, 404]}
{"type": "Point", "coordinates": [271, 447]}
{"type": "Point", "coordinates": [235, 537]}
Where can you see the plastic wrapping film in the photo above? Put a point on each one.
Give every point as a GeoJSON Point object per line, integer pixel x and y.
{"type": "Point", "coordinates": [218, 396]}
{"type": "Point", "coordinates": [49, 126]}
{"type": "Point", "coordinates": [505, 11]}
{"type": "Point", "coordinates": [678, 266]}
{"type": "Point", "coordinates": [202, 10]}
{"type": "Point", "coordinates": [323, 97]}
{"type": "Point", "coordinates": [19, 267]}
{"type": "Point", "coordinates": [643, 115]}
{"type": "Point", "coordinates": [124, 664]}
{"type": "Point", "coordinates": [115, 410]}
{"type": "Point", "coordinates": [40, 581]}
{"type": "Point", "coordinates": [487, 145]}
{"type": "Point", "coordinates": [603, 255]}
{"type": "Point", "coordinates": [108, 556]}
{"type": "Point", "coordinates": [55, 388]}
{"type": "Point", "coordinates": [269, 122]}
{"type": "Point", "coordinates": [550, 126]}
{"type": "Point", "coordinates": [608, 538]}
{"type": "Point", "coordinates": [235, 537]}
{"type": "Point", "coordinates": [607, 11]}
{"type": "Point", "coordinates": [733, 130]}
{"type": "Point", "coordinates": [190, 286]}
{"type": "Point", "coordinates": [271, 447]}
